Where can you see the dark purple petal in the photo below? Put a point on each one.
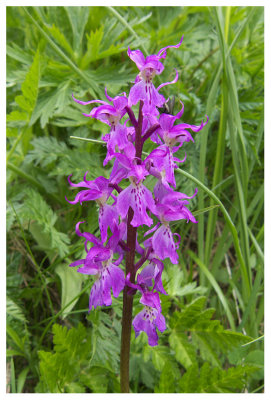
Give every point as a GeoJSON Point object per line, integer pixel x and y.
{"type": "Point", "coordinates": [80, 184]}
{"type": "Point", "coordinates": [166, 122]}
{"type": "Point", "coordinates": [96, 295]}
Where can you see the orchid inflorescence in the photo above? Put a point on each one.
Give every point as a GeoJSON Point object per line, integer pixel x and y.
{"type": "Point", "coordinates": [133, 205]}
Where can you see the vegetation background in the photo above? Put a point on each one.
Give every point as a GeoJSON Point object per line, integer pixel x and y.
{"type": "Point", "coordinates": [215, 307]}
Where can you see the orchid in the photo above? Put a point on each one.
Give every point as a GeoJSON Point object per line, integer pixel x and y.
{"type": "Point", "coordinates": [136, 206]}
{"type": "Point", "coordinates": [99, 261]}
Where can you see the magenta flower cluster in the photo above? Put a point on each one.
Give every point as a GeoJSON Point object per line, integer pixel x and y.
{"type": "Point", "coordinates": [121, 209]}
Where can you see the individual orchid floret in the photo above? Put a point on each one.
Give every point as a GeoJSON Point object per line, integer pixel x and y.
{"type": "Point", "coordinates": [111, 115]}
{"type": "Point", "coordinates": [164, 162]}
{"type": "Point", "coordinates": [172, 134]}
{"type": "Point", "coordinates": [150, 318]}
{"type": "Point", "coordinates": [171, 208]}
{"type": "Point", "coordinates": [99, 261]}
{"type": "Point", "coordinates": [139, 198]}
{"type": "Point", "coordinates": [151, 274]}
{"type": "Point", "coordinates": [98, 190]}
{"type": "Point", "coordinates": [144, 89]}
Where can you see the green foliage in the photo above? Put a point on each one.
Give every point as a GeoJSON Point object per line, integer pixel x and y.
{"type": "Point", "coordinates": [209, 379]}
{"type": "Point", "coordinates": [36, 208]}
{"type": "Point", "coordinates": [53, 52]}
{"type": "Point", "coordinates": [64, 366]}
{"type": "Point", "coordinates": [206, 335]}
{"type": "Point", "coordinates": [74, 365]}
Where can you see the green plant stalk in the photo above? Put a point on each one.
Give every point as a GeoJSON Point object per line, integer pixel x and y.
{"type": "Point", "coordinates": [202, 162]}
{"type": "Point", "coordinates": [251, 305]}
{"type": "Point", "coordinates": [256, 245]}
{"type": "Point", "coordinates": [11, 151]}
{"type": "Point", "coordinates": [242, 202]}
{"type": "Point", "coordinates": [219, 160]}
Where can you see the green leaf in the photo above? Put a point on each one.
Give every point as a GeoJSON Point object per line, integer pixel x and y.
{"type": "Point", "coordinates": [168, 381]}
{"type": "Point", "coordinates": [214, 380]}
{"type": "Point", "coordinates": [27, 100]}
{"type": "Point", "coordinates": [45, 150]}
{"type": "Point", "coordinates": [61, 39]}
{"type": "Point", "coordinates": [14, 310]}
{"type": "Point", "coordinates": [16, 339]}
{"type": "Point", "coordinates": [64, 366]}
{"type": "Point", "coordinates": [19, 54]}
{"type": "Point", "coordinates": [208, 335]}
{"type": "Point", "coordinates": [78, 17]}
{"type": "Point", "coordinates": [256, 358]}
{"type": "Point", "coordinates": [185, 352]}
{"type": "Point", "coordinates": [42, 227]}
{"type": "Point", "coordinates": [21, 379]}
{"type": "Point", "coordinates": [174, 281]}
{"type": "Point", "coordinates": [13, 378]}
{"type": "Point", "coordinates": [71, 282]}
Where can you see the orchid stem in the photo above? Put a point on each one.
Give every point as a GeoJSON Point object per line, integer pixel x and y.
{"type": "Point", "coordinates": [150, 131]}
{"type": "Point", "coordinates": [131, 116]}
{"type": "Point", "coordinates": [127, 310]}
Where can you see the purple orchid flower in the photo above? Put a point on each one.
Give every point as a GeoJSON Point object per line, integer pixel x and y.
{"type": "Point", "coordinates": [176, 134]}
{"type": "Point", "coordinates": [144, 88]}
{"type": "Point", "coordinates": [99, 261]}
{"type": "Point", "coordinates": [164, 162]}
{"type": "Point", "coordinates": [98, 190]}
{"type": "Point", "coordinates": [152, 272]}
{"type": "Point", "coordinates": [125, 144]}
{"type": "Point", "coordinates": [150, 318]}
{"type": "Point", "coordinates": [171, 208]}
{"type": "Point", "coordinates": [111, 115]}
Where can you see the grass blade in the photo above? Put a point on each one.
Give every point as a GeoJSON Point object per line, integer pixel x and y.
{"type": "Point", "coordinates": [216, 287]}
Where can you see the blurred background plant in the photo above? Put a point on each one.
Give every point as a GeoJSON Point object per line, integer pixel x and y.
{"type": "Point", "coordinates": [215, 305]}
